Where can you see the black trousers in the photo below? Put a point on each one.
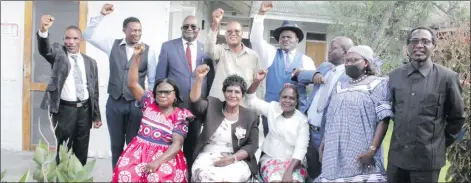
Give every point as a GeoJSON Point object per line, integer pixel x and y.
{"type": "Point", "coordinates": [194, 129]}
{"type": "Point", "coordinates": [73, 124]}
{"type": "Point", "coordinates": [123, 119]}
{"type": "Point", "coordinates": [312, 157]}
{"type": "Point", "coordinates": [396, 174]}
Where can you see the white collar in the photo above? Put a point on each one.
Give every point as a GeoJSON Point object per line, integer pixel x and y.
{"type": "Point", "coordinates": [185, 41]}
{"type": "Point", "coordinates": [292, 52]}
{"type": "Point", "coordinates": [126, 43]}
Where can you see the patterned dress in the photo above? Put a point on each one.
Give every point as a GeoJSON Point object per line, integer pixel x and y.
{"type": "Point", "coordinates": [219, 145]}
{"type": "Point", "coordinates": [153, 139]}
{"type": "Point", "coordinates": [353, 114]}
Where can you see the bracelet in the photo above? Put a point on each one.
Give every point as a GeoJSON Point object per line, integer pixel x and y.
{"type": "Point", "coordinates": [235, 158]}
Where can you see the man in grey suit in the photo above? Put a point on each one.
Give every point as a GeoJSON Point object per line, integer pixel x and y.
{"type": "Point", "coordinates": [122, 115]}
{"type": "Point", "coordinates": [72, 93]}
{"type": "Point", "coordinates": [177, 60]}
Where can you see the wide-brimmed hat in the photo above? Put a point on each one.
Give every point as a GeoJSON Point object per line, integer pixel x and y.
{"type": "Point", "coordinates": [287, 25]}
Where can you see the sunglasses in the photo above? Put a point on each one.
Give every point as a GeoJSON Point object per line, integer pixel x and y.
{"type": "Point", "coordinates": [425, 42]}
{"type": "Point", "coordinates": [164, 92]}
{"type": "Point", "coordinates": [192, 26]}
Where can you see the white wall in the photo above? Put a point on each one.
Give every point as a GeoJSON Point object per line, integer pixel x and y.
{"type": "Point", "coordinates": [154, 16]}
{"type": "Point", "coordinates": [12, 76]}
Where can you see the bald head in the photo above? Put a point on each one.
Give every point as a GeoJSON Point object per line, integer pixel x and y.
{"type": "Point", "coordinates": [190, 28]}
{"type": "Point", "coordinates": [338, 48]}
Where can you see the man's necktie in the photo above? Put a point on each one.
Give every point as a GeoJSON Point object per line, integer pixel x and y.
{"type": "Point", "coordinates": [188, 56]}
{"type": "Point", "coordinates": [78, 79]}
{"type": "Point", "coordinates": [287, 60]}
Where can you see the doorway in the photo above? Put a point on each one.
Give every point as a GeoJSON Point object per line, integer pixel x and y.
{"type": "Point", "coordinates": [37, 70]}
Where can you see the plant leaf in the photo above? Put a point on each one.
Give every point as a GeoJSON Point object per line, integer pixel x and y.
{"type": "Point", "coordinates": [39, 155]}
{"type": "Point", "coordinates": [25, 177]}
{"type": "Point", "coordinates": [37, 175]}
{"type": "Point", "coordinates": [4, 172]}
{"type": "Point", "coordinates": [89, 166]}
{"type": "Point", "coordinates": [51, 171]}
{"type": "Point", "coordinates": [74, 164]}
{"type": "Point", "coordinates": [61, 176]}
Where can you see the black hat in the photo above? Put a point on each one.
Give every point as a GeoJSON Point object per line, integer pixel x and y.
{"type": "Point", "coordinates": [287, 25]}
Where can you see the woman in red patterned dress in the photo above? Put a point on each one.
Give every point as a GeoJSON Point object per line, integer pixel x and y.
{"type": "Point", "coordinates": [155, 155]}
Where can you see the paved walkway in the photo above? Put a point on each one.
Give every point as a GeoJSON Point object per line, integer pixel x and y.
{"type": "Point", "coordinates": [17, 163]}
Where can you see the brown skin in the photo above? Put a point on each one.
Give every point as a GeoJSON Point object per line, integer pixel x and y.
{"type": "Point", "coordinates": [231, 109]}
{"type": "Point", "coordinates": [420, 53]}
{"type": "Point", "coordinates": [190, 35]}
{"type": "Point", "coordinates": [288, 104]}
{"type": "Point", "coordinates": [133, 30]}
{"type": "Point", "coordinates": [356, 59]}
{"type": "Point", "coordinates": [164, 101]}
{"type": "Point", "coordinates": [288, 40]}
{"type": "Point", "coordinates": [233, 32]}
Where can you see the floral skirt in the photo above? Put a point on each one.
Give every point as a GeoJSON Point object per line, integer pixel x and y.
{"type": "Point", "coordinates": [203, 169]}
{"type": "Point", "coordinates": [139, 152]}
{"type": "Point", "coordinates": [274, 169]}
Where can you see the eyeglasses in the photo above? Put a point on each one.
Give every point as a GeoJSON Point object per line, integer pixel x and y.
{"type": "Point", "coordinates": [425, 42]}
{"type": "Point", "coordinates": [237, 32]}
{"type": "Point", "coordinates": [164, 92]}
{"type": "Point", "coordinates": [188, 26]}
{"type": "Point", "coordinates": [352, 60]}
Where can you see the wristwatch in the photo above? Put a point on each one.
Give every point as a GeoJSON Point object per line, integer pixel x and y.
{"type": "Point", "coordinates": [373, 148]}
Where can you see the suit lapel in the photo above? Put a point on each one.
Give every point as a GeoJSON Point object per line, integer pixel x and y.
{"type": "Point", "coordinates": [243, 123]}
{"type": "Point", "coordinates": [88, 69]}
{"type": "Point", "coordinates": [181, 51]}
{"type": "Point", "coordinates": [217, 118]}
{"type": "Point", "coordinates": [123, 54]}
{"type": "Point", "coordinates": [67, 60]}
{"type": "Point", "coordinates": [200, 53]}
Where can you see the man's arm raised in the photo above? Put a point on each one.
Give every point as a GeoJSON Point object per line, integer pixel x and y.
{"type": "Point", "coordinates": [103, 43]}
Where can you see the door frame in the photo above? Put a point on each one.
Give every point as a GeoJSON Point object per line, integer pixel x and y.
{"type": "Point", "coordinates": [28, 84]}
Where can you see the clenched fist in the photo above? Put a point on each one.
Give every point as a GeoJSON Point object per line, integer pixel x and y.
{"type": "Point", "coordinates": [139, 48]}
{"type": "Point", "coordinates": [260, 75]}
{"type": "Point", "coordinates": [46, 22]}
{"type": "Point", "coordinates": [201, 71]}
{"type": "Point", "coordinates": [217, 15]}
{"type": "Point", "coordinates": [265, 6]}
{"type": "Point", "coordinates": [107, 9]}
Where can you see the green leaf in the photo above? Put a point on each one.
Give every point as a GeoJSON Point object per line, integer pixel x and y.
{"type": "Point", "coordinates": [89, 179]}
{"type": "Point", "coordinates": [25, 177]}
{"type": "Point", "coordinates": [43, 146]}
{"type": "Point", "coordinates": [4, 172]}
{"type": "Point", "coordinates": [89, 166]}
{"type": "Point", "coordinates": [39, 155]}
{"type": "Point", "coordinates": [51, 170]}
{"type": "Point", "coordinates": [37, 175]}
{"type": "Point", "coordinates": [81, 176]}
{"type": "Point", "coordinates": [74, 164]}
{"type": "Point", "coordinates": [61, 176]}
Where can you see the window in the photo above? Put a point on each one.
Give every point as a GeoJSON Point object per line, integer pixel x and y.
{"type": "Point", "coordinates": [273, 41]}
{"type": "Point", "coordinates": [315, 37]}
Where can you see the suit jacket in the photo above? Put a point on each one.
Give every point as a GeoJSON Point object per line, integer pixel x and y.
{"type": "Point", "coordinates": [56, 55]}
{"type": "Point", "coordinates": [173, 65]}
{"type": "Point", "coordinates": [210, 111]}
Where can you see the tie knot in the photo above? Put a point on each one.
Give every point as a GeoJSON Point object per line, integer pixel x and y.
{"type": "Point", "coordinates": [188, 43]}
{"type": "Point", "coordinates": [74, 57]}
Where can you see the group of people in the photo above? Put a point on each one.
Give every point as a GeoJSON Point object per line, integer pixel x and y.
{"type": "Point", "coordinates": [198, 117]}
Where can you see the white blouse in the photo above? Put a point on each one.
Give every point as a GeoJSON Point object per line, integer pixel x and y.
{"type": "Point", "coordinates": [287, 138]}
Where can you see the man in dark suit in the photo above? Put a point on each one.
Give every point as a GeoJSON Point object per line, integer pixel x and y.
{"type": "Point", "coordinates": [177, 60]}
{"type": "Point", "coordinates": [72, 93]}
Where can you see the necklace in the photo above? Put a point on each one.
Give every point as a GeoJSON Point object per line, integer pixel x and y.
{"type": "Point", "coordinates": [359, 79]}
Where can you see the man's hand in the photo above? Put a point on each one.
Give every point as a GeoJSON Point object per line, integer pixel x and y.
{"type": "Point", "coordinates": [217, 16]}
{"type": "Point", "coordinates": [318, 79]}
{"type": "Point", "coordinates": [46, 22]}
{"type": "Point", "coordinates": [224, 161]}
{"type": "Point", "coordinates": [107, 9]}
{"type": "Point", "coordinates": [265, 6]}
{"type": "Point", "coordinates": [201, 71]}
{"type": "Point", "coordinates": [139, 48]}
{"type": "Point", "coordinates": [97, 124]}
{"type": "Point", "coordinates": [260, 75]}
{"type": "Point", "coordinates": [321, 151]}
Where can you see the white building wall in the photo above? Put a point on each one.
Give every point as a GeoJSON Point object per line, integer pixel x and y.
{"type": "Point", "coordinates": [12, 75]}
{"type": "Point", "coordinates": [154, 16]}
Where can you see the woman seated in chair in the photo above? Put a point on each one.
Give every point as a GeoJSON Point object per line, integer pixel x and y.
{"type": "Point", "coordinates": [225, 150]}
{"type": "Point", "coordinates": [286, 144]}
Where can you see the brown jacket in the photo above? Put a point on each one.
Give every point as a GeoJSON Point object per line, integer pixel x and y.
{"type": "Point", "coordinates": [210, 111]}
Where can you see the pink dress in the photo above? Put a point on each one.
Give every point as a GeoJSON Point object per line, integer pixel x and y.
{"type": "Point", "coordinates": [153, 139]}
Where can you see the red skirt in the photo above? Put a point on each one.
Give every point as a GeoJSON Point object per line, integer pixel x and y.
{"type": "Point", "coordinates": [131, 164]}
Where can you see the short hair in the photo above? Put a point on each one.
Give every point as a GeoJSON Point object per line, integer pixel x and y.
{"type": "Point", "coordinates": [235, 80]}
{"type": "Point", "coordinates": [345, 42]}
{"type": "Point", "coordinates": [178, 98]}
{"type": "Point", "coordinates": [434, 37]}
{"type": "Point", "coordinates": [73, 27]}
{"type": "Point", "coordinates": [129, 20]}
{"type": "Point", "coordinates": [295, 89]}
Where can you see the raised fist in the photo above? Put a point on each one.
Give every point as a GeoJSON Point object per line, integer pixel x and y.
{"type": "Point", "coordinates": [201, 71]}
{"type": "Point", "coordinates": [260, 75]}
{"type": "Point", "coordinates": [46, 22]}
{"type": "Point", "coordinates": [217, 15]}
{"type": "Point", "coordinates": [265, 6]}
{"type": "Point", "coordinates": [139, 48]}
{"type": "Point", "coordinates": [107, 9]}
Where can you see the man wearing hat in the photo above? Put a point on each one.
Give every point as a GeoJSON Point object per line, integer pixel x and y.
{"type": "Point", "coordinates": [282, 61]}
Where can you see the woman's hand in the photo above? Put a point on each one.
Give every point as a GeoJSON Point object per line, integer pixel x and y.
{"type": "Point", "coordinates": [201, 71]}
{"type": "Point", "coordinates": [321, 151]}
{"type": "Point", "coordinates": [366, 159]}
{"type": "Point", "coordinates": [260, 75]}
{"type": "Point", "coordinates": [287, 177]}
{"type": "Point", "coordinates": [139, 48]}
{"type": "Point", "coordinates": [151, 167]}
{"type": "Point", "coordinates": [224, 161]}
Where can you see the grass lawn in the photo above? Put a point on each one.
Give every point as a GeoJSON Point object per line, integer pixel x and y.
{"type": "Point", "coordinates": [386, 141]}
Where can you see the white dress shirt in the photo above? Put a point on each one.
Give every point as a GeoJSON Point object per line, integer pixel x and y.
{"type": "Point", "coordinates": [105, 44]}
{"type": "Point", "coordinates": [193, 52]}
{"type": "Point", "coordinates": [287, 138]}
{"type": "Point", "coordinates": [267, 52]}
{"type": "Point", "coordinates": [315, 116]}
{"type": "Point", "coordinates": [68, 92]}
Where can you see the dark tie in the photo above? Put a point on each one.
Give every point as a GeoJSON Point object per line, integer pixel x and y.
{"type": "Point", "coordinates": [78, 79]}
{"type": "Point", "coordinates": [188, 55]}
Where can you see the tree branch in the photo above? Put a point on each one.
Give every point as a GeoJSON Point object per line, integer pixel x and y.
{"type": "Point", "coordinates": [384, 23]}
